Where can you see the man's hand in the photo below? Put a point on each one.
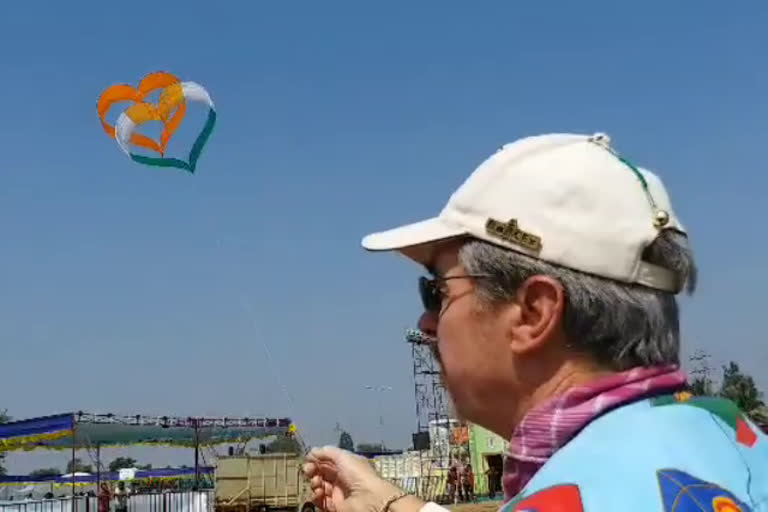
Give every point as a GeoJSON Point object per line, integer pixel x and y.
{"type": "Point", "coordinates": [344, 482]}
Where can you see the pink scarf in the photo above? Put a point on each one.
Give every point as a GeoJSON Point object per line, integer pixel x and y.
{"type": "Point", "coordinates": [552, 424]}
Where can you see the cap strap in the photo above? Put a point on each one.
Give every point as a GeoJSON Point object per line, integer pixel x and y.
{"type": "Point", "coordinates": [657, 277]}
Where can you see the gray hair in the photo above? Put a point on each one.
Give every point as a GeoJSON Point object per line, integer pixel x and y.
{"type": "Point", "coordinates": [620, 325]}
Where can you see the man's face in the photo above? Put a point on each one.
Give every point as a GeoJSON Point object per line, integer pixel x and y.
{"type": "Point", "coordinates": [471, 346]}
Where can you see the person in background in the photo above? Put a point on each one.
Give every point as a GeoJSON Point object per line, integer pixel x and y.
{"type": "Point", "coordinates": [452, 483]}
{"type": "Point", "coordinates": [459, 485]}
{"type": "Point", "coordinates": [492, 476]}
{"type": "Point", "coordinates": [105, 497]}
{"type": "Point", "coordinates": [121, 496]}
{"type": "Point", "coordinates": [551, 302]}
{"type": "Point", "coordinates": [457, 476]}
{"type": "Point", "coordinates": [468, 482]}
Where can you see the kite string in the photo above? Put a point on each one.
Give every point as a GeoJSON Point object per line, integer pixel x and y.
{"type": "Point", "coordinates": [250, 311]}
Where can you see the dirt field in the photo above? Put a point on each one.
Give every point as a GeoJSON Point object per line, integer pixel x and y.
{"type": "Point", "coordinates": [486, 506]}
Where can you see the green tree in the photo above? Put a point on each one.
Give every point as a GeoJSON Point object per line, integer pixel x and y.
{"type": "Point", "coordinates": [284, 444]}
{"type": "Point", "coordinates": [77, 466]}
{"type": "Point", "coordinates": [345, 441]}
{"type": "Point", "coordinates": [734, 385]}
{"type": "Point", "coordinates": [121, 463]}
{"type": "Point", "coordinates": [42, 472]}
{"type": "Point", "coordinates": [4, 418]}
{"type": "Point", "coordinates": [740, 388]}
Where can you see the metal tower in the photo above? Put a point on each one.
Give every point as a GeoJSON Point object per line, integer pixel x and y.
{"type": "Point", "coordinates": [431, 399]}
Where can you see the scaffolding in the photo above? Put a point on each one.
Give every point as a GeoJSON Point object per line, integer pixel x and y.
{"type": "Point", "coordinates": [443, 440]}
{"type": "Point", "coordinates": [432, 413]}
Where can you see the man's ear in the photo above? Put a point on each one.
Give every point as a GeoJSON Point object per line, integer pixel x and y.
{"type": "Point", "coordinates": [541, 302]}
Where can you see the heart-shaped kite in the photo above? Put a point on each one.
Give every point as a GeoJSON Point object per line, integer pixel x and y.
{"type": "Point", "coordinates": [169, 110]}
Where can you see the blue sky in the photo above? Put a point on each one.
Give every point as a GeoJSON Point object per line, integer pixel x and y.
{"type": "Point", "coordinates": [131, 289]}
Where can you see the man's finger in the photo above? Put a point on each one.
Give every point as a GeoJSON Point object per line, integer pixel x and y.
{"type": "Point", "coordinates": [327, 454]}
{"type": "Point", "coordinates": [326, 469]}
{"type": "Point", "coordinates": [318, 497]}
{"type": "Point", "coordinates": [316, 482]}
{"type": "Point", "coordinates": [309, 469]}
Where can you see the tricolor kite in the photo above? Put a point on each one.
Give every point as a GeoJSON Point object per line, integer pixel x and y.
{"type": "Point", "coordinates": [170, 110]}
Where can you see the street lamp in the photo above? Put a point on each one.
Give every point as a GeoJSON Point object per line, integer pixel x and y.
{"type": "Point", "coordinates": [380, 390]}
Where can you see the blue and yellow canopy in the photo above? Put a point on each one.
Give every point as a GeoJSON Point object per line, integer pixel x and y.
{"type": "Point", "coordinates": [84, 430]}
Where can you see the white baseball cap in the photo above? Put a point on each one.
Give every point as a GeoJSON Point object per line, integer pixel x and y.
{"type": "Point", "coordinates": [567, 199]}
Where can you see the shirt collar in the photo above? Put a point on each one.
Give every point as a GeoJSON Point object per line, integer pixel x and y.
{"type": "Point", "coordinates": [550, 425]}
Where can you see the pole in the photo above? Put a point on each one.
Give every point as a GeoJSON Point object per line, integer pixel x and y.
{"type": "Point", "coordinates": [381, 421]}
{"type": "Point", "coordinates": [379, 398]}
{"type": "Point", "coordinates": [73, 468]}
{"type": "Point", "coordinates": [197, 455]}
{"type": "Point", "coordinates": [98, 469]}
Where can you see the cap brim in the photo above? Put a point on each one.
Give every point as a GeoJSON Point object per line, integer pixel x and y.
{"type": "Point", "coordinates": [413, 240]}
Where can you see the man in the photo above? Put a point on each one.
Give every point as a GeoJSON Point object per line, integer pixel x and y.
{"type": "Point", "coordinates": [468, 482]}
{"type": "Point", "coordinates": [555, 268]}
{"type": "Point", "coordinates": [452, 484]}
{"type": "Point", "coordinates": [492, 475]}
{"type": "Point", "coordinates": [121, 495]}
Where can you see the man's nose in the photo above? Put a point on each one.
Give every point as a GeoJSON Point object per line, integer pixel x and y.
{"type": "Point", "coordinates": [428, 324]}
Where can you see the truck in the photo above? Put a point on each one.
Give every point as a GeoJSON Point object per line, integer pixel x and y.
{"type": "Point", "coordinates": [260, 483]}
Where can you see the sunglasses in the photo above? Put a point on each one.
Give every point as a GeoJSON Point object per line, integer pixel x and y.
{"type": "Point", "coordinates": [432, 296]}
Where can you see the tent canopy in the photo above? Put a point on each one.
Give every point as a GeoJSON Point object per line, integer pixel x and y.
{"type": "Point", "coordinates": [84, 430]}
{"type": "Point", "coordinates": [151, 474]}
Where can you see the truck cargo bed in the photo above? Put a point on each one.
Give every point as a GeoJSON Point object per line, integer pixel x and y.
{"type": "Point", "coordinates": [261, 482]}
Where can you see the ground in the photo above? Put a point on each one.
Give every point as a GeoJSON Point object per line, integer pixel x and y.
{"type": "Point", "coordinates": [486, 506]}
